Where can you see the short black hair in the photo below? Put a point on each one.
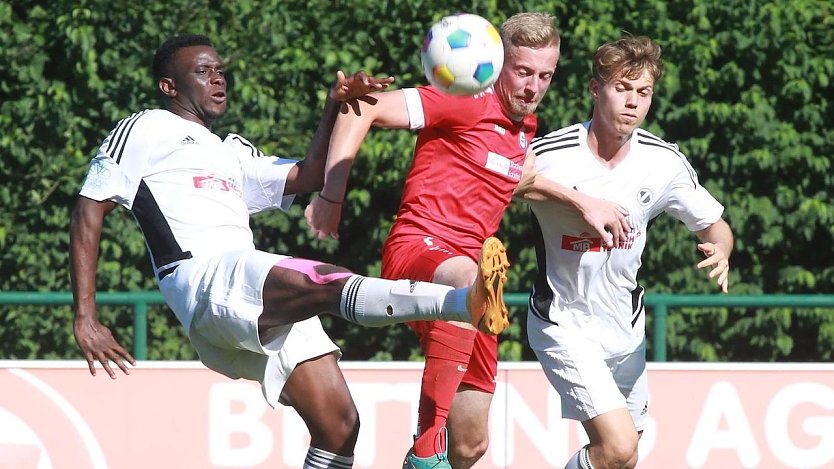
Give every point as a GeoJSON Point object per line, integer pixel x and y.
{"type": "Point", "coordinates": [169, 48]}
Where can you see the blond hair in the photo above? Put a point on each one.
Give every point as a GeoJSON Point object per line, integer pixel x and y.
{"type": "Point", "coordinates": [534, 30]}
{"type": "Point", "coordinates": [627, 57]}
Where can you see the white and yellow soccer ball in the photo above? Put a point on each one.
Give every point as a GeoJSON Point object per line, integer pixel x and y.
{"type": "Point", "coordinates": [462, 54]}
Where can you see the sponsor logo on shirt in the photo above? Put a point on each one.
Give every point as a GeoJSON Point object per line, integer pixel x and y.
{"type": "Point", "coordinates": [215, 183]}
{"type": "Point", "coordinates": [189, 140]}
{"type": "Point", "coordinates": [587, 243]}
{"type": "Point", "coordinates": [582, 243]}
{"type": "Point", "coordinates": [503, 165]}
{"type": "Point", "coordinates": [522, 140]}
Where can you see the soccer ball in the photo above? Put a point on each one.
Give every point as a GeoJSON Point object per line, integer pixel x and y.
{"type": "Point", "coordinates": [462, 54]}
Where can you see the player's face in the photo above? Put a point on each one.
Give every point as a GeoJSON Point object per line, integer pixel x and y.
{"type": "Point", "coordinates": [525, 78]}
{"type": "Point", "coordinates": [621, 104]}
{"type": "Point", "coordinates": [198, 87]}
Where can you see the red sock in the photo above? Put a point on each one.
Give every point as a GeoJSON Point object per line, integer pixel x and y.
{"type": "Point", "coordinates": [447, 349]}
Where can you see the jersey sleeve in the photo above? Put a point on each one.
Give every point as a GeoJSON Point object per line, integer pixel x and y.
{"type": "Point", "coordinates": [264, 177]}
{"type": "Point", "coordinates": [119, 164]}
{"type": "Point", "coordinates": [690, 202]}
{"type": "Point", "coordinates": [430, 107]}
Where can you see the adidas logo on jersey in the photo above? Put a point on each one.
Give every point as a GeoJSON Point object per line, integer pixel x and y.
{"type": "Point", "coordinates": [189, 140]}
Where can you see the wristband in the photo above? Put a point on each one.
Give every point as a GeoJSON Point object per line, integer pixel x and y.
{"type": "Point", "coordinates": [322, 197]}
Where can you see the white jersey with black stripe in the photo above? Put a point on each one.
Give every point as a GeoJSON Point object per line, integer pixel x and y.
{"type": "Point", "coordinates": [582, 286]}
{"type": "Point", "coordinates": [191, 191]}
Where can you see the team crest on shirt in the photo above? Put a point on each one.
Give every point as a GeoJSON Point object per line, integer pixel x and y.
{"type": "Point", "coordinates": [645, 196]}
{"type": "Point", "coordinates": [522, 140]}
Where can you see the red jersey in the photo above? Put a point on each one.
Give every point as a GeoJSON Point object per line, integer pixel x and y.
{"type": "Point", "coordinates": [467, 163]}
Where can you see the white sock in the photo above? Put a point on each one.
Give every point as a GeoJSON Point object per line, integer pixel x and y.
{"type": "Point", "coordinates": [373, 301]}
{"type": "Point", "coordinates": [580, 460]}
{"type": "Point", "coordinates": [321, 459]}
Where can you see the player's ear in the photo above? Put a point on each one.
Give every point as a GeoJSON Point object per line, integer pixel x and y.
{"type": "Point", "coordinates": [167, 87]}
{"type": "Point", "coordinates": [593, 87]}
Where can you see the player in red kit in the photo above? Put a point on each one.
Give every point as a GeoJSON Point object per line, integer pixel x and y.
{"type": "Point", "coordinates": [467, 162]}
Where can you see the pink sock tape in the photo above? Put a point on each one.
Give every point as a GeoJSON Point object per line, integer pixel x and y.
{"type": "Point", "coordinates": [307, 267]}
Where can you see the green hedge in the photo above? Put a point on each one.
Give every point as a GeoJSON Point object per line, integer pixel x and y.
{"type": "Point", "coordinates": [747, 96]}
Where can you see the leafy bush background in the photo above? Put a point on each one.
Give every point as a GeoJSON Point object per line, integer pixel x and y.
{"type": "Point", "coordinates": [747, 95]}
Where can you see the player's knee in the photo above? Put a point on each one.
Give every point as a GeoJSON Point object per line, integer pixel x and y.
{"type": "Point", "coordinates": [339, 433]}
{"type": "Point", "coordinates": [620, 453]}
{"type": "Point", "coordinates": [347, 426]}
{"type": "Point", "coordinates": [470, 450]}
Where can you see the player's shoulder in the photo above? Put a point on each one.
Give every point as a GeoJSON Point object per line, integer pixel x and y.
{"type": "Point", "coordinates": [242, 145]}
{"type": "Point", "coordinates": [148, 122]}
{"type": "Point", "coordinates": [650, 142]}
{"type": "Point", "coordinates": [461, 111]}
{"type": "Point", "coordinates": [559, 141]}
{"type": "Point", "coordinates": [663, 155]}
{"type": "Point", "coordinates": [457, 103]}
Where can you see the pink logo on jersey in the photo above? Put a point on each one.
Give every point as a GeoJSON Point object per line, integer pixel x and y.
{"type": "Point", "coordinates": [215, 183]}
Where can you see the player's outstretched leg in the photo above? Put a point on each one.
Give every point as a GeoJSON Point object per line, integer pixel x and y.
{"type": "Point", "coordinates": [486, 298]}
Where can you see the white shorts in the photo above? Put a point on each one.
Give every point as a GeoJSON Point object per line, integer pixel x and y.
{"type": "Point", "coordinates": [218, 300]}
{"type": "Point", "coordinates": [590, 384]}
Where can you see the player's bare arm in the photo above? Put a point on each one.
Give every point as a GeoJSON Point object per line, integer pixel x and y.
{"type": "Point", "coordinates": [387, 109]}
{"type": "Point", "coordinates": [94, 339]}
{"type": "Point", "coordinates": [308, 175]}
{"type": "Point", "coordinates": [607, 218]}
{"type": "Point", "coordinates": [717, 245]}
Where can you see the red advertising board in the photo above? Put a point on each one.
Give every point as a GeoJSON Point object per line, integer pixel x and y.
{"type": "Point", "coordinates": [166, 415]}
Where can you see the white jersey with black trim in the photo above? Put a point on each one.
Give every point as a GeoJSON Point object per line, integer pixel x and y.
{"type": "Point", "coordinates": [191, 192]}
{"type": "Point", "coordinates": [582, 286]}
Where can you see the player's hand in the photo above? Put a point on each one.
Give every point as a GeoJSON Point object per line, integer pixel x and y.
{"type": "Point", "coordinates": [357, 85]}
{"type": "Point", "coordinates": [609, 220]}
{"type": "Point", "coordinates": [97, 344]}
{"type": "Point", "coordinates": [717, 259]}
{"type": "Point", "coordinates": [323, 217]}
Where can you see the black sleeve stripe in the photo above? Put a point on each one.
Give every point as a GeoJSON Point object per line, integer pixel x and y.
{"type": "Point", "coordinates": [551, 149]}
{"type": "Point", "coordinates": [550, 137]}
{"type": "Point", "coordinates": [653, 137]}
{"type": "Point", "coordinates": [121, 134]}
{"type": "Point", "coordinates": [252, 149]}
{"type": "Point", "coordinates": [556, 141]}
{"type": "Point", "coordinates": [673, 148]}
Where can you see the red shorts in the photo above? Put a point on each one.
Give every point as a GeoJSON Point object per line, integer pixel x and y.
{"type": "Point", "coordinates": [417, 258]}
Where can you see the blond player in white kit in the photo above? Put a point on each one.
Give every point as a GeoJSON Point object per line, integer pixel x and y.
{"type": "Point", "coordinates": [586, 319]}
